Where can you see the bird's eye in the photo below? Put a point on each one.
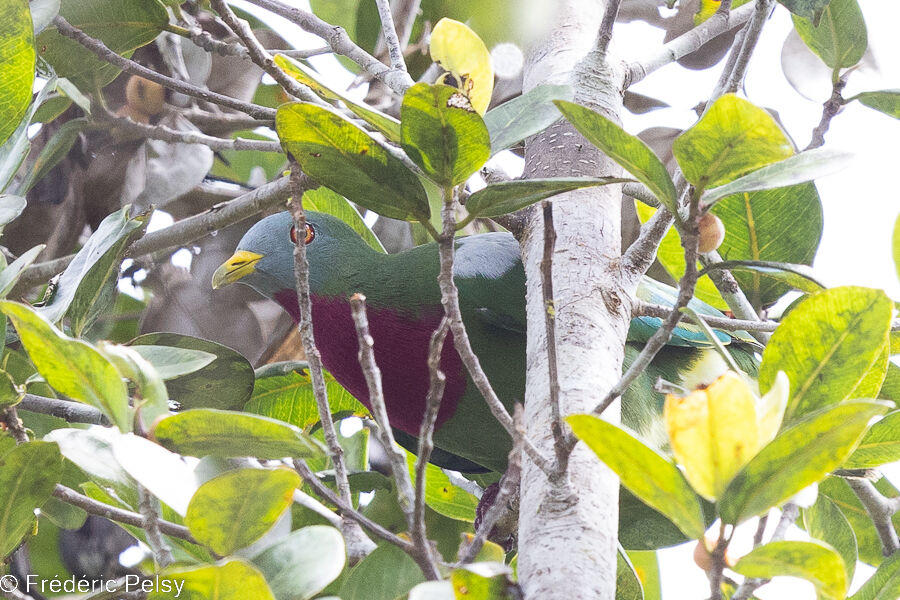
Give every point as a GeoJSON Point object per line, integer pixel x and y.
{"type": "Point", "coordinates": [310, 234]}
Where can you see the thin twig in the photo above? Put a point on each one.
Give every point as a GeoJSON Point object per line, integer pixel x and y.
{"type": "Point", "coordinates": [15, 594]}
{"type": "Point", "coordinates": [641, 192]}
{"type": "Point", "coordinates": [750, 37]}
{"type": "Point", "coordinates": [688, 42]}
{"type": "Point", "coordinates": [347, 511]}
{"type": "Point", "coordinates": [260, 56]}
{"type": "Point", "coordinates": [176, 136]}
{"type": "Point", "coordinates": [880, 510]}
{"type": "Point", "coordinates": [830, 109]}
{"type": "Point", "coordinates": [642, 252]}
{"type": "Point", "coordinates": [148, 506]}
{"type": "Point", "coordinates": [437, 382]}
{"type": "Point", "coordinates": [450, 300]}
{"type": "Point", "coordinates": [556, 424]}
{"type": "Point", "coordinates": [423, 555]}
{"type": "Point", "coordinates": [185, 231]}
{"type": "Point", "coordinates": [313, 358]}
{"type": "Point", "coordinates": [73, 412]}
{"type": "Point", "coordinates": [509, 486]}
{"type": "Point", "coordinates": [213, 122]}
{"type": "Point", "coordinates": [340, 43]}
{"type": "Point", "coordinates": [717, 555]}
{"type": "Point", "coordinates": [760, 530]}
{"type": "Point", "coordinates": [93, 507]}
{"type": "Point", "coordinates": [303, 54]}
{"type": "Point", "coordinates": [205, 40]}
{"type": "Point", "coordinates": [388, 30]}
{"type": "Point", "coordinates": [643, 309]}
{"type": "Point", "coordinates": [732, 294]}
{"type": "Point", "coordinates": [724, 6]}
{"type": "Point", "coordinates": [606, 26]}
{"type": "Point", "coordinates": [14, 424]}
{"type": "Point", "coordinates": [406, 18]}
{"type": "Point", "coordinates": [129, 66]}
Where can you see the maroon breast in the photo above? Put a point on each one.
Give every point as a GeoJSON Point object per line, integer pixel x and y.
{"type": "Point", "coordinates": [401, 350]}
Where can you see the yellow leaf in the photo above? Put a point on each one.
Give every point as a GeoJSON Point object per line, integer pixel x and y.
{"type": "Point", "coordinates": [461, 52]}
{"type": "Point", "coordinates": [714, 432]}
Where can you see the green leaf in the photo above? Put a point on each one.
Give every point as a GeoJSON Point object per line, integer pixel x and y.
{"type": "Point", "coordinates": [816, 562]}
{"type": "Point", "coordinates": [10, 274]}
{"type": "Point", "coordinates": [56, 148]}
{"type": "Point", "coordinates": [42, 12]}
{"type": "Point", "coordinates": [809, 9]}
{"type": "Point", "coordinates": [755, 231]}
{"type": "Point", "coordinates": [284, 391]}
{"type": "Point", "coordinates": [174, 362]}
{"type": "Point", "coordinates": [442, 496]}
{"type": "Point", "coordinates": [646, 565]}
{"type": "Point", "coordinates": [17, 59]}
{"type": "Point", "coordinates": [482, 581]}
{"type": "Point", "coordinates": [237, 508]}
{"type": "Point", "coordinates": [509, 196]}
{"type": "Point", "coordinates": [881, 444]}
{"type": "Point", "coordinates": [884, 584]}
{"type": "Point", "coordinates": [210, 432]}
{"type": "Point", "coordinates": [123, 25]}
{"type": "Point", "coordinates": [840, 39]}
{"type": "Point", "coordinates": [72, 367]}
{"type": "Point", "coordinates": [526, 115]}
{"type": "Point", "coordinates": [733, 138]}
{"type": "Point", "coordinates": [768, 278]}
{"type": "Point", "coordinates": [10, 393]}
{"type": "Point", "coordinates": [62, 514]}
{"type": "Point", "coordinates": [643, 528]}
{"type": "Point", "coordinates": [225, 383]}
{"type": "Point", "coordinates": [340, 155]}
{"type": "Point", "coordinates": [16, 148]}
{"type": "Point", "coordinates": [28, 474]}
{"type": "Point", "coordinates": [628, 584]}
{"type": "Point", "coordinates": [442, 133]}
{"type": "Point", "coordinates": [826, 346]}
{"type": "Point", "coordinates": [85, 283]}
{"type": "Point", "coordinates": [791, 171]}
{"type": "Point", "coordinates": [165, 474]}
{"type": "Point", "coordinates": [799, 456]}
{"type": "Point", "coordinates": [886, 101]}
{"type": "Point", "coordinates": [385, 574]}
{"type": "Point", "coordinates": [387, 125]}
{"type": "Point", "coordinates": [231, 580]}
{"type": "Point", "coordinates": [91, 451]}
{"type": "Point", "coordinates": [302, 564]}
{"type": "Point", "coordinates": [634, 155]}
{"type": "Point", "coordinates": [647, 474]}
{"type": "Point", "coordinates": [327, 201]}
{"type": "Point", "coordinates": [824, 521]}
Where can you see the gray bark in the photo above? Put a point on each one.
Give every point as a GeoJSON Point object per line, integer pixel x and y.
{"type": "Point", "coordinates": [567, 531]}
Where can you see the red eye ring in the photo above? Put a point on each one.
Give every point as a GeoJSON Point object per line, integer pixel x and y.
{"type": "Point", "coordinates": [310, 234]}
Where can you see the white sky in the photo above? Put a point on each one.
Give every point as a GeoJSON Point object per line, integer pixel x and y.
{"type": "Point", "coordinates": [860, 204]}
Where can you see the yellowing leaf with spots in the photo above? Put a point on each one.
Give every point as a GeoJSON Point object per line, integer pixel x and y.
{"type": "Point", "coordinates": [461, 52]}
{"type": "Point", "coordinates": [714, 432]}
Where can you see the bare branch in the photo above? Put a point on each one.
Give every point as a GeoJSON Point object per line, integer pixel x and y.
{"type": "Point", "coordinates": [260, 56]}
{"type": "Point", "coordinates": [175, 136]}
{"type": "Point", "coordinates": [340, 43]}
{"type": "Point", "coordinates": [129, 66]}
{"type": "Point", "coordinates": [181, 233]}
{"type": "Point", "coordinates": [643, 309]}
{"type": "Point", "coordinates": [450, 300]}
{"type": "Point", "coordinates": [14, 424]}
{"type": "Point", "coordinates": [406, 17]}
{"type": "Point", "coordinates": [641, 192]}
{"type": "Point", "coordinates": [789, 514]}
{"type": "Point", "coordinates": [748, 44]}
{"type": "Point", "coordinates": [148, 506]}
{"type": "Point", "coordinates": [423, 554]}
{"type": "Point", "coordinates": [556, 426]}
{"type": "Point", "coordinates": [880, 510]}
{"type": "Point", "coordinates": [688, 42]}
{"type": "Point", "coordinates": [205, 40]}
{"type": "Point", "coordinates": [830, 109]}
{"type": "Point", "coordinates": [606, 26]}
{"type": "Point", "coordinates": [73, 412]}
{"type": "Point", "coordinates": [113, 513]}
{"type": "Point", "coordinates": [732, 293]}
{"type": "Point", "coordinates": [642, 252]}
{"type": "Point", "coordinates": [388, 30]}
{"type": "Point", "coordinates": [211, 122]}
{"type": "Point", "coordinates": [509, 486]}
{"type": "Point", "coordinates": [347, 511]}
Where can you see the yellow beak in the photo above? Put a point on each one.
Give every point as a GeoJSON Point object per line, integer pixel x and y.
{"type": "Point", "coordinates": [241, 264]}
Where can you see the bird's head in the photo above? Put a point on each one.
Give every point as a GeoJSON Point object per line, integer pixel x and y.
{"type": "Point", "coordinates": [264, 258]}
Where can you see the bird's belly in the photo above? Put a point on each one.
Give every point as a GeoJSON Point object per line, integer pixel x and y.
{"type": "Point", "coordinates": [401, 351]}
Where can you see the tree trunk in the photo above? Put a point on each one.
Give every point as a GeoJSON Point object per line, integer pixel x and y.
{"type": "Point", "coordinates": [567, 535]}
